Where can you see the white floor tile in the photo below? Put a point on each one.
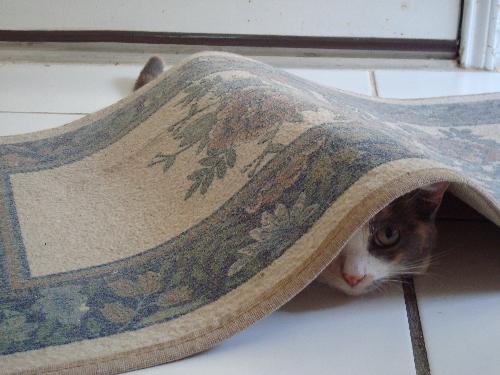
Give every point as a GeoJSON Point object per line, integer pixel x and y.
{"type": "Point", "coordinates": [350, 80]}
{"type": "Point", "coordinates": [84, 88]}
{"type": "Point", "coordinates": [17, 123]}
{"type": "Point", "coordinates": [459, 301]}
{"type": "Point", "coordinates": [68, 88]}
{"type": "Point", "coordinates": [424, 84]}
{"type": "Point", "coordinates": [319, 332]}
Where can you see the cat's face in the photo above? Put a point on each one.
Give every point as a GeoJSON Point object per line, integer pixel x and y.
{"type": "Point", "coordinates": [397, 241]}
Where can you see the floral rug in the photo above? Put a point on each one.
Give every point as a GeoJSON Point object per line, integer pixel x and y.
{"type": "Point", "coordinates": [155, 228]}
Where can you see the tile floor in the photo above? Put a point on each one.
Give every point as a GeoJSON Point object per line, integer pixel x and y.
{"type": "Point", "coordinates": [319, 331]}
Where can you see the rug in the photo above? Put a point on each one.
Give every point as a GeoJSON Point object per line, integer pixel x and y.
{"type": "Point", "coordinates": [167, 222]}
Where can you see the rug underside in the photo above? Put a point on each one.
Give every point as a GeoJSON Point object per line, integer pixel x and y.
{"type": "Point", "coordinates": [159, 226]}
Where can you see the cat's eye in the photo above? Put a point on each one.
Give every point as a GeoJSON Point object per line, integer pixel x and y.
{"type": "Point", "coordinates": [386, 236]}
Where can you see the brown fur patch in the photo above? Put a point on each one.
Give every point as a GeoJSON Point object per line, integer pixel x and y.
{"type": "Point", "coordinates": [412, 215]}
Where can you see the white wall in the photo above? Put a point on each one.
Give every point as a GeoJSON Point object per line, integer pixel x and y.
{"type": "Point", "coordinates": [430, 19]}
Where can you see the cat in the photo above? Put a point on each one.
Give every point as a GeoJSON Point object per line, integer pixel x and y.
{"type": "Point", "coordinates": [153, 68]}
{"type": "Point", "coordinates": [397, 241]}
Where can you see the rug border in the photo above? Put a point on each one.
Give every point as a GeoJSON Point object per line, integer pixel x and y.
{"type": "Point", "coordinates": [407, 174]}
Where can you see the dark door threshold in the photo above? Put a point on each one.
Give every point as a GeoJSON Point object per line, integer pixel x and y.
{"type": "Point", "coordinates": [449, 47]}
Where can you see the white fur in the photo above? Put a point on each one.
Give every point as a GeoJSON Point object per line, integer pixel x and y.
{"type": "Point", "coordinates": [356, 260]}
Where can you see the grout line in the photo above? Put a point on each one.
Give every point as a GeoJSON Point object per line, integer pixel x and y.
{"type": "Point", "coordinates": [415, 325]}
{"type": "Point", "coordinates": [373, 83]}
{"type": "Point", "coordinates": [46, 113]}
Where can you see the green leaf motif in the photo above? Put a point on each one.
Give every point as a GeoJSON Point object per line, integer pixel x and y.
{"type": "Point", "coordinates": [92, 327]}
{"type": "Point", "coordinates": [207, 181]}
{"type": "Point", "coordinates": [14, 329]}
{"type": "Point", "coordinates": [166, 160]}
{"type": "Point", "coordinates": [209, 161]}
{"type": "Point", "coordinates": [273, 148]}
{"type": "Point", "coordinates": [230, 157]}
{"type": "Point", "coordinates": [44, 330]}
{"type": "Point", "coordinates": [197, 177]}
{"type": "Point", "coordinates": [64, 304]}
{"type": "Point", "coordinates": [215, 164]}
{"type": "Point", "coordinates": [196, 131]}
{"type": "Point", "coordinates": [221, 169]}
{"type": "Point", "coordinates": [58, 336]}
{"type": "Point", "coordinates": [276, 228]}
{"type": "Point", "coordinates": [202, 178]}
{"type": "Point", "coordinates": [203, 143]}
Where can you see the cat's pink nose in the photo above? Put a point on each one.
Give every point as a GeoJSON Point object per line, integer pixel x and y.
{"type": "Point", "coordinates": [352, 280]}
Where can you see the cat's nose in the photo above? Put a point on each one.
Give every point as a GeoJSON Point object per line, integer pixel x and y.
{"type": "Point", "coordinates": [352, 280]}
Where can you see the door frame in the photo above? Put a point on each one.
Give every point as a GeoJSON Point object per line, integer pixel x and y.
{"type": "Point", "coordinates": [480, 35]}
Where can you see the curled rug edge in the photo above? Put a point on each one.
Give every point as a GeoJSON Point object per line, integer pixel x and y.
{"type": "Point", "coordinates": [360, 211]}
{"type": "Point", "coordinates": [263, 293]}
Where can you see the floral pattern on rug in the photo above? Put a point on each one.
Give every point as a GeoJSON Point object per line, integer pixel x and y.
{"type": "Point", "coordinates": [207, 261]}
{"type": "Point", "coordinates": [288, 187]}
{"type": "Point", "coordinates": [236, 111]}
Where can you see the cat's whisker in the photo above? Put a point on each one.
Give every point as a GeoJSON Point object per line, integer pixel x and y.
{"type": "Point", "coordinates": [395, 280]}
{"type": "Point", "coordinates": [439, 255]}
{"type": "Point", "coordinates": [417, 270]}
{"type": "Point", "coordinates": [415, 267]}
{"type": "Point", "coordinates": [381, 288]}
{"type": "Point", "coordinates": [435, 278]}
{"type": "Point", "coordinates": [414, 273]}
{"type": "Point", "coordinates": [431, 261]}
{"type": "Point", "coordinates": [394, 246]}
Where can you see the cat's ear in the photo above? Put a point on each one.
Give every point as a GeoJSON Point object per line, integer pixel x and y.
{"type": "Point", "coordinates": [430, 198]}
